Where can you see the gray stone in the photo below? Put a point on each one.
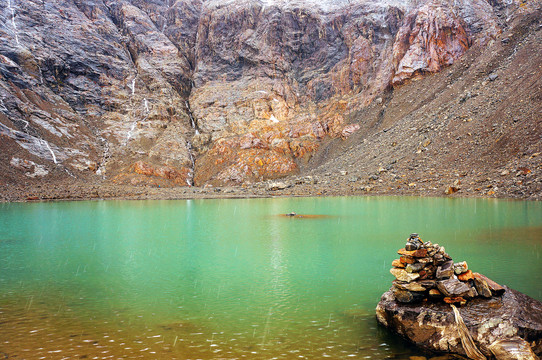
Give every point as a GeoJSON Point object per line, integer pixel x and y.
{"type": "Point", "coordinates": [453, 287]}
{"type": "Point", "coordinates": [310, 180]}
{"type": "Point", "coordinates": [492, 77]}
{"type": "Point", "coordinates": [276, 185]}
{"type": "Point", "coordinates": [439, 259]}
{"type": "Point", "coordinates": [411, 246]}
{"type": "Point", "coordinates": [354, 179]}
{"type": "Point", "coordinates": [472, 293]}
{"type": "Point", "coordinates": [482, 288]}
{"type": "Point", "coordinates": [405, 296]}
{"type": "Point", "coordinates": [465, 97]}
{"type": "Point", "coordinates": [446, 270]}
{"type": "Point", "coordinates": [414, 268]}
{"type": "Point", "coordinates": [428, 284]}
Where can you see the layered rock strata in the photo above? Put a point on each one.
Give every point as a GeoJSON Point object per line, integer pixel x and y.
{"type": "Point", "coordinates": [213, 92]}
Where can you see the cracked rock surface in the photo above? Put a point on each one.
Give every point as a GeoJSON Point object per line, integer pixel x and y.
{"type": "Point", "coordinates": [153, 93]}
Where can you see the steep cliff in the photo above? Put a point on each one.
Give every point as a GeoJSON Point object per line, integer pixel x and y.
{"type": "Point", "coordinates": [201, 92]}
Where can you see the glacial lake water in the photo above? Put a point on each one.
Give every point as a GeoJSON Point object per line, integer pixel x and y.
{"type": "Point", "coordinates": [233, 279]}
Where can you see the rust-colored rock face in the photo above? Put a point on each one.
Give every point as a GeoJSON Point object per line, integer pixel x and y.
{"type": "Point", "coordinates": [144, 173]}
{"type": "Point", "coordinates": [178, 176]}
{"type": "Point", "coordinates": [235, 92]}
{"type": "Point", "coordinates": [431, 37]}
{"type": "Point", "coordinates": [238, 160]}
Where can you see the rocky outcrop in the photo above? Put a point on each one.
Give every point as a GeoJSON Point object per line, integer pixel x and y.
{"type": "Point", "coordinates": [285, 67]}
{"type": "Point", "coordinates": [234, 91]}
{"type": "Point", "coordinates": [512, 318]}
{"type": "Point", "coordinates": [431, 37]}
{"type": "Point", "coordinates": [495, 321]}
{"type": "Point", "coordinates": [94, 86]}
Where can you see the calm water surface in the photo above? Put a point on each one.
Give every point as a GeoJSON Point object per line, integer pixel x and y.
{"type": "Point", "coordinates": [210, 279]}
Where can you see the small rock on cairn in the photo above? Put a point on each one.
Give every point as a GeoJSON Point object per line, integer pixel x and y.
{"type": "Point", "coordinates": [425, 271]}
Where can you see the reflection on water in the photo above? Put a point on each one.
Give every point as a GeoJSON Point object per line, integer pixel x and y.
{"type": "Point", "coordinates": [235, 278]}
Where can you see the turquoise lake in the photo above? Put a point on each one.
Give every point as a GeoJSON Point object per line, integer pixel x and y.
{"type": "Point", "coordinates": [230, 279]}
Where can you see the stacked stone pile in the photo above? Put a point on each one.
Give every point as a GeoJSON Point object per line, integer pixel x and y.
{"type": "Point", "coordinates": [425, 271]}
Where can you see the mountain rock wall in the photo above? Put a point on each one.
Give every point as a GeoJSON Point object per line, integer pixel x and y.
{"type": "Point", "coordinates": [187, 92]}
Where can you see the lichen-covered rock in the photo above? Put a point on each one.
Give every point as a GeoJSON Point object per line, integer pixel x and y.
{"type": "Point", "coordinates": [431, 325]}
{"type": "Point", "coordinates": [460, 268]}
{"type": "Point", "coordinates": [420, 306]}
{"type": "Point", "coordinates": [466, 276]}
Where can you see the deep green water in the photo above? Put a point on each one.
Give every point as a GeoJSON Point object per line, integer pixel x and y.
{"type": "Point", "coordinates": [233, 278]}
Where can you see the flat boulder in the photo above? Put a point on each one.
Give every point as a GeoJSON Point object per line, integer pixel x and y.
{"type": "Point", "coordinates": [453, 287]}
{"type": "Point", "coordinates": [511, 321]}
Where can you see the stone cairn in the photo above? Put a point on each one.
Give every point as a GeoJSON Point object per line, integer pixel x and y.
{"type": "Point", "coordinates": [426, 272]}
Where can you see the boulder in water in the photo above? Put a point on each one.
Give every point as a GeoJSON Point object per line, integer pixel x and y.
{"type": "Point", "coordinates": [493, 320]}
{"type": "Point", "coordinates": [508, 323]}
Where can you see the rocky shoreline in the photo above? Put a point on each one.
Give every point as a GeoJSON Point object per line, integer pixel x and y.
{"type": "Point", "coordinates": [302, 187]}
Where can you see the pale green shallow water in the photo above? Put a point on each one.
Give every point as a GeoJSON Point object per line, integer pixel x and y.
{"type": "Point", "coordinates": [232, 278]}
